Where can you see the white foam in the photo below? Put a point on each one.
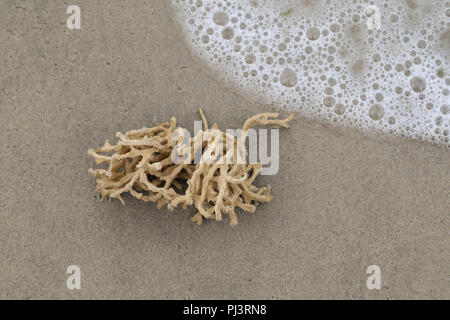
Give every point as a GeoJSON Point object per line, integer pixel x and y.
{"type": "Point", "coordinates": [320, 58]}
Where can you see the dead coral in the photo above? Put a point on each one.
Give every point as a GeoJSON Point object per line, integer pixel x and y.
{"type": "Point", "coordinates": [141, 164]}
{"type": "Point", "coordinates": [153, 164]}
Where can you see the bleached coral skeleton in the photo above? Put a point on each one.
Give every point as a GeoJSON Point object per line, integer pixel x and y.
{"type": "Point", "coordinates": [155, 165]}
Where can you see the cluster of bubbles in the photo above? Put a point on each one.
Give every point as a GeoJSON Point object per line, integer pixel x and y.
{"type": "Point", "coordinates": [324, 59]}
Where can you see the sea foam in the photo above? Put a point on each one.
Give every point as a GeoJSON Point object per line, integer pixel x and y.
{"type": "Point", "coordinates": [376, 65]}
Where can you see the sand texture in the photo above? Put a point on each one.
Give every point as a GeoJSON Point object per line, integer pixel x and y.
{"type": "Point", "coordinates": [342, 200]}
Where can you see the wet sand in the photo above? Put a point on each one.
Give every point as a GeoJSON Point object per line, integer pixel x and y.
{"type": "Point", "coordinates": [342, 200]}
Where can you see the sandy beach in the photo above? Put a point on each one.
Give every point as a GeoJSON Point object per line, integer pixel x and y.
{"type": "Point", "coordinates": [343, 200]}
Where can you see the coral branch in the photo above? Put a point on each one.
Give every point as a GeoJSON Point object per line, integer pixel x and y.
{"type": "Point", "coordinates": [141, 163]}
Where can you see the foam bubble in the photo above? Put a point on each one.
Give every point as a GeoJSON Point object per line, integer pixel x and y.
{"type": "Point", "coordinates": [339, 109]}
{"type": "Point", "coordinates": [228, 33]}
{"type": "Point", "coordinates": [288, 78]}
{"type": "Point", "coordinates": [329, 101]}
{"type": "Point", "coordinates": [313, 33]}
{"type": "Point", "coordinates": [418, 84]}
{"type": "Point", "coordinates": [376, 112]}
{"type": "Point", "coordinates": [220, 18]}
{"type": "Point", "coordinates": [320, 58]}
